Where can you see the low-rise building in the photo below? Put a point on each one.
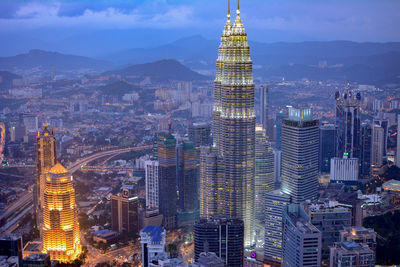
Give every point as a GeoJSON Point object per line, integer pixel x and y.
{"type": "Point", "coordinates": [351, 254]}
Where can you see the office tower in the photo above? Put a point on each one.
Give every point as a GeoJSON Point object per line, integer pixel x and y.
{"type": "Point", "coordinates": [11, 246]}
{"type": "Point", "coordinates": [327, 146]}
{"type": "Point", "coordinates": [17, 133]}
{"type": "Point", "coordinates": [234, 125]}
{"type": "Point", "coordinates": [124, 213]}
{"type": "Point", "coordinates": [359, 235]}
{"type": "Point", "coordinates": [398, 142]}
{"type": "Point", "coordinates": [301, 239]}
{"type": "Point", "coordinates": [46, 159]}
{"type": "Point", "coordinates": [200, 134]}
{"type": "Point", "coordinates": [223, 236]}
{"type": "Point", "coordinates": [344, 170]}
{"type": "Point", "coordinates": [210, 259]}
{"type": "Point", "coordinates": [152, 239]}
{"type": "Point", "coordinates": [167, 179]}
{"type": "Point", "coordinates": [152, 180]}
{"type": "Point", "coordinates": [330, 218]}
{"type": "Point", "coordinates": [188, 172]}
{"type": "Point", "coordinates": [61, 237]}
{"type": "Point", "coordinates": [384, 123]}
{"type": "Point", "coordinates": [264, 172]}
{"type": "Point", "coordinates": [378, 142]}
{"type": "Point", "coordinates": [278, 129]}
{"type": "Point", "coordinates": [351, 254]}
{"type": "Point", "coordinates": [276, 201]}
{"type": "Point", "coordinates": [366, 150]}
{"type": "Point", "coordinates": [211, 183]}
{"type": "Point", "coordinates": [264, 106]}
{"type": "Point", "coordinates": [348, 123]}
{"type": "Point", "coordinates": [277, 165]}
{"type": "Point", "coordinates": [300, 153]}
{"type": "Point", "coordinates": [2, 140]}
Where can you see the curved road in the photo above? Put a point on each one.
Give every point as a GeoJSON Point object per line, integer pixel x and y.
{"type": "Point", "coordinates": [73, 167]}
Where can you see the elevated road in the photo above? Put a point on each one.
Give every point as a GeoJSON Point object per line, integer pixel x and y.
{"type": "Point", "coordinates": [73, 167]}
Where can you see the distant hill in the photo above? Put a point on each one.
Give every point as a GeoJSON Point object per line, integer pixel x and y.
{"type": "Point", "coordinates": [7, 78]}
{"type": "Point", "coordinates": [161, 71]}
{"type": "Point", "coordinates": [45, 60]}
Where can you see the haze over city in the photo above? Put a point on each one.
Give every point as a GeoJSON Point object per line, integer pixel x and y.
{"type": "Point", "coordinates": [197, 133]}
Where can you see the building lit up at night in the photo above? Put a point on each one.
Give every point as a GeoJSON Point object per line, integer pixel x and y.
{"type": "Point", "coordinates": [61, 237]}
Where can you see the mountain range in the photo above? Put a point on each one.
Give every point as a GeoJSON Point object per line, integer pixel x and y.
{"type": "Point", "coordinates": [373, 63]}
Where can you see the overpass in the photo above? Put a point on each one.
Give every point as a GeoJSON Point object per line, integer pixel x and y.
{"type": "Point", "coordinates": [73, 167]}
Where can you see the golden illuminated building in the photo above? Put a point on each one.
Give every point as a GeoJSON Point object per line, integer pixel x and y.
{"type": "Point", "coordinates": [233, 131]}
{"type": "Point", "coordinates": [60, 230]}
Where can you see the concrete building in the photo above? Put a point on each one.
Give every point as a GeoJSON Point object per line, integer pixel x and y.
{"type": "Point", "coordinates": [366, 150]}
{"type": "Point", "coordinates": [222, 236]}
{"type": "Point", "coordinates": [351, 254]}
{"type": "Point", "coordinates": [359, 235]}
{"type": "Point", "coordinates": [200, 134]}
{"type": "Point", "coordinates": [264, 172]}
{"type": "Point", "coordinates": [152, 183]}
{"type": "Point", "coordinates": [124, 213]}
{"type": "Point", "coordinates": [210, 259]}
{"type": "Point", "coordinates": [301, 240]}
{"type": "Point", "coordinates": [330, 218]}
{"type": "Point", "coordinates": [152, 239]}
{"type": "Point", "coordinates": [344, 170]}
{"type": "Point", "coordinates": [398, 142]}
{"type": "Point", "coordinates": [300, 154]}
{"type": "Point", "coordinates": [378, 134]}
{"type": "Point", "coordinates": [276, 201]}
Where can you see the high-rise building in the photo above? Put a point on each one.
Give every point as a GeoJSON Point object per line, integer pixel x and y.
{"type": "Point", "coordinates": [276, 201]}
{"type": "Point", "coordinates": [166, 150]}
{"type": "Point", "coordinates": [61, 236]}
{"type": "Point", "coordinates": [398, 142]}
{"type": "Point", "coordinates": [264, 172]}
{"type": "Point", "coordinates": [300, 153]}
{"type": "Point", "coordinates": [280, 116]}
{"type": "Point", "coordinates": [344, 170]}
{"type": "Point", "coordinates": [124, 213]}
{"type": "Point", "coordinates": [211, 183]}
{"type": "Point", "coordinates": [330, 218]}
{"type": "Point", "coordinates": [327, 146]}
{"type": "Point", "coordinates": [351, 254]}
{"type": "Point", "coordinates": [348, 123]}
{"type": "Point", "coordinates": [277, 166]}
{"type": "Point", "coordinates": [11, 246]}
{"type": "Point", "coordinates": [366, 150]}
{"type": "Point", "coordinates": [152, 180]}
{"type": "Point", "coordinates": [200, 134]}
{"type": "Point", "coordinates": [46, 159]}
{"type": "Point", "coordinates": [30, 122]}
{"type": "Point", "coordinates": [384, 123]}
{"type": "Point", "coordinates": [264, 106]}
{"type": "Point", "coordinates": [234, 125]}
{"type": "Point", "coordinates": [152, 239]}
{"type": "Point", "coordinates": [301, 240]}
{"type": "Point", "coordinates": [188, 172]}
{"type": "Point", "coordinates": [222, 236]}
{"type": "Point", "coordinates": [378, 134]}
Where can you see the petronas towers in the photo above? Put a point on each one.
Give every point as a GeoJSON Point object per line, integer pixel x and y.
{"type": "Point", "coordinates": [228, 178]}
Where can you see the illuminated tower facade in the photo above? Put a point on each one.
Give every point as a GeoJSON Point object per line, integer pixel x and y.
{"type": "Point", "coordinates": [234, 125]}
{"type": "Point", "coordinates": [46, 159]}
{"type": "Point", "coordinates": [60, 218]}
{"type": "Point", "coordinates": [264, 172]}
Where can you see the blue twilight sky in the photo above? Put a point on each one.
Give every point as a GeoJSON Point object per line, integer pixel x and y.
{"type": "Point", "coordinates": [157, 22]}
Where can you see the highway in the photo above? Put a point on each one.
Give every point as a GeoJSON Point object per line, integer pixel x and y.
{"type": "Point", "coordinates": [22, 202]}
{"type": "Point", "coordinates": [78, 164]}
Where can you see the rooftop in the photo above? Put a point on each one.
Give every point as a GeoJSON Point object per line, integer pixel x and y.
{"type": "Point", "coordinates": [37, 256]}
{"type": "Point", "coordinates": [58, 169]}
{"type": "Point", "coordinates": [10, 237]}
{"type": "Point", "coordinates": [154, 231]}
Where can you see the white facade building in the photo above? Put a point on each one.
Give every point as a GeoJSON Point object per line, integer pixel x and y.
{"type": "Point", "coordinates": [151, 172]}
{"type": "Point", "coordinates": [344, 169]}
{"type": "Point", "coordinates": [152, 238]}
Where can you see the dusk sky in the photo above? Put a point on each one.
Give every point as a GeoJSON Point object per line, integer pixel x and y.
{"type": "Point", "coordinates": [155, 22]}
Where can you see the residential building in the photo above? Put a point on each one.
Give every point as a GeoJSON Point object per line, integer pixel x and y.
{"type": "Point", "coordinates": [152, 183]}
{"type": "Point", "coordinates": [351, 254]}
{"type": "Point", "coordinates": [378, 134]}
{"type": "Point", "coordinates": [359, 235]}
{"type": "Point", "coordinates": [200, 134]}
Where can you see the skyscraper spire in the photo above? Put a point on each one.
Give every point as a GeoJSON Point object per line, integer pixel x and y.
{"type": "Point", "coordinates": [238, 8]}
{"type": "Point", "coordinates": [229, 10]}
